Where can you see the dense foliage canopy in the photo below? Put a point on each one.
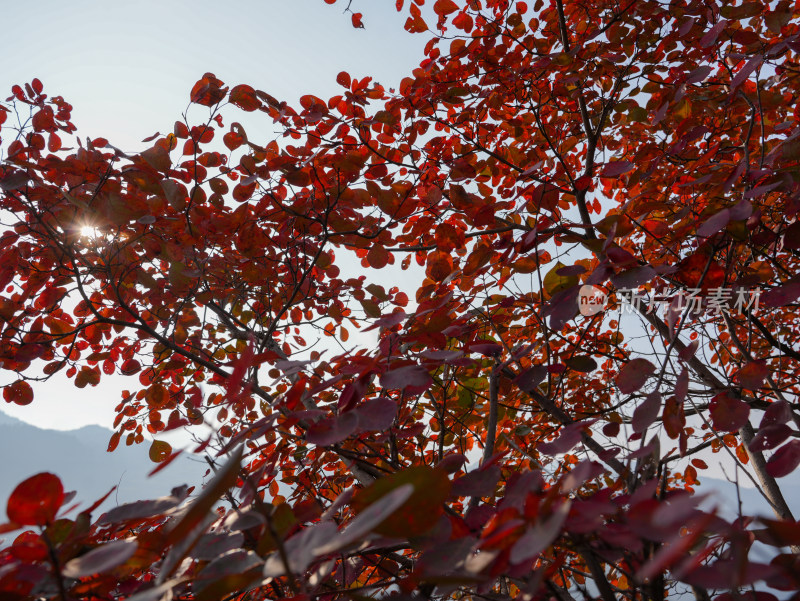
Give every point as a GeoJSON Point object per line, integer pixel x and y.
{"type": "Point", "coordinates": [588, 212]}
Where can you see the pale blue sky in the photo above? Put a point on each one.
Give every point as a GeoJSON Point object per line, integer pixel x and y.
{"type": "Point", "coordinates": [128, 67]}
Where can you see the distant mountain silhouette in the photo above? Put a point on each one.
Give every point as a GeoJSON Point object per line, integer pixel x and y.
{"type": "Point", "coordinates": [80, 459]}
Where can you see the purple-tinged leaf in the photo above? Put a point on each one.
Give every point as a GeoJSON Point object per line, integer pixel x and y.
{"type": "Point", "coordinates": [579, 475]}
{"type": "Point", "coordinates": [387, 321]}
{"type": "Point", "coordinates": [781, 296]}
{"type": "Point", "coordinates": [445, 356]}
{"type": "Point", "coordinates": [563, 306]}
{"type": "Point", "coordinates": [376, 414]}
{"type": "Point", "coordinates": [567, 439]}
{"type": "Point", "coordinates": [780, 533]}
{"type": "Point", "coordinates": [201, 505]}
{"type": "Point", "coordinates": [714, 224]}
{"type": "Point", "coordinates": [711, 35]}
{"type": "Point", "coordinates": [616, 168]}
{"type": "Point", "coordinates": [770, 437]}
{"type": "Point", "coordinates": [487, 349]}
{"type": "Point", "coordinates": [414, 376]}
{"type": "Point", "coordinates": [529, 379]}
{"type": "Point", "coordinates": [728, 574]}
{"type": "Point", "coordinates": [353, 392]}
{"type": "Point", "coordinates": [100, 559]}
{"type": "Point", "coordinates": [368, 519]}
{"type": "Point", "coordinates": [676, 549]}
{"type": "Point", "coordinates": [647, 412]}
{"type": "Point", "coordinates": [778, 412]}
{"type": "Point", "coordinates": [156, 593]}
{"type": "Point", "coordinates": [214, 544]}
{"type": "Point", "coordinates": [332, 430]}
{"type": "Point", "coordinates": [300, 549]}
{"type": "Point", "coordinates": [571, 270]}
{"type": "Point", "coordinates": [682, 385]}
{"type": "Point", "coordinates": [633, 278]}
{"type": "Point", "coordinates": [452, 462]}
{"type": "Point", "coordinates": [235, 561]}
{"type": "Point", "coordinates": [784, 461]}
{"type": "Point", "coordinates": [477, 483]}
{"type": "Point", "coordinates": [745, 72]}
{"type": "Point", "coordinates": [689, 350]}
{"type": "Point", "coordinates": [698, 74]}
{"type": "Point", "coordinates": [540, 536]}
{"type": "Point", "coordinates": [633, 375]}
{"type": "Point", "coordinates": [138, 510]}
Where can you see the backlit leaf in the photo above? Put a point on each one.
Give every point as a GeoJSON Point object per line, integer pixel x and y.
{"type": "Point", "coordinates": [728, 413]}
{"type": "Point", "coordinates": [35, 501]}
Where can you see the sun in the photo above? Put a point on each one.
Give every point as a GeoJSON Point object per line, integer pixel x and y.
{"type": "Point", "coordinates": [89, 231]}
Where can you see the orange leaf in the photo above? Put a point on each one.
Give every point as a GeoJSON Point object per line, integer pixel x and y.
{"type": "Point", "coordinates": [160, 451]}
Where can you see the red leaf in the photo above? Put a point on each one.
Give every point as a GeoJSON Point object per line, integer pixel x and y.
{"type": "Point", "coordinates": [356, 20]}
{"type": "Point", "coordinates": [752, 375]}
{"type": "Point", "coordinates": [415, 23]}
{"type": "Point", "coordinates": [378, 257]}
{"type": "Point", "coordinates": [784, 461]}
{"type": "Point", "coordinates": [130, 367]}
{"type": "Point", "coordinates": [728, 413]}
{"type": "Point", "coordinates": [633, 375]}
{"type": "Point", "coordinates": [207, 91]}
{"type": "Point", "coordinates": [444, 7]}
{"type": "Point", "coordinates": [448, 237]}
{"type": "Point", "coordinates": [36, 501]}
{"type": "Point", "coordinates": [343, 79]}
{"type": "Point", "coordinates": [20, 392]}
{"type": "Point", "coordinates": [245, 98]}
